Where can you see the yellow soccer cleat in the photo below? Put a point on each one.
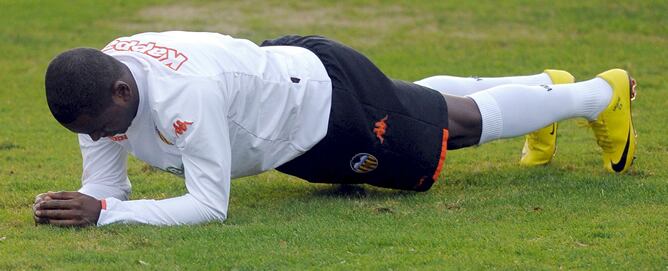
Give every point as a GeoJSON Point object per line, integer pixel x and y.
{"type": "Point", "coordinates": [614, 126]}
{"type": "Point", "coordinates": [540, 145]}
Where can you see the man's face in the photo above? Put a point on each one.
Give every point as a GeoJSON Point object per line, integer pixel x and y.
{"type": "Point", "coordinates": [113, 120]}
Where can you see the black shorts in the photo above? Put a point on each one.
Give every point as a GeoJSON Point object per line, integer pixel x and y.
{"type": "Point", "coordinates": [383, 132]}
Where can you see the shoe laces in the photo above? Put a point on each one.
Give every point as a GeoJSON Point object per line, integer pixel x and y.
{"type": "Point", "coordinates": [532, 137]}
{"type": "Point", "coordinates": [533, 140]}
{"type": "Point", "coordinates": [602, 135]}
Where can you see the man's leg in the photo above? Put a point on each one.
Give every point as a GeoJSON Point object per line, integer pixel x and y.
{"type": "Point", "coordinates": [512, 110]}
{"type": "Point", "coordinates": [462, 86]}
{"type": "Point", "coordinates": [464, 122]}
{"type": "Point", "coordinates": [540, 145]}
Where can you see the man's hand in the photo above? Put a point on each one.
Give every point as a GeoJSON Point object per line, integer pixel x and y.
{"type": "Point", "coordinates": [67, 209]}
{"type": "Point", "coordinates": [39, 198]}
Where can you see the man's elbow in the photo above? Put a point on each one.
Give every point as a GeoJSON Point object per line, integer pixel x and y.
{"type": "Point", "coordinates": [218, 216]}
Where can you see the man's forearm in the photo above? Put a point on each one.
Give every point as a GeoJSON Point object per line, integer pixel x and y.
{"type": "Point", "coordinates": [173, 211]}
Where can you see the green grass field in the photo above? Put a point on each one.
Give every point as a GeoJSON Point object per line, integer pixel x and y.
{"type": "Point", "coordinates": [485, 213]}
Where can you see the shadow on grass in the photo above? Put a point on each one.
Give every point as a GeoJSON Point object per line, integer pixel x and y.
{"type": "Point", "coordinates": [359, 191]}
{"type": "Point", "coordinates": [6, 145]}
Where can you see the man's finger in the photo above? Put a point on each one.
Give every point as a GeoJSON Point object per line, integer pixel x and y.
{"type": "Point", "coordinates": [63, 195]}
{"type": "Point", "coordinates": [56, 214]}
{"type": "Point", "coordinates": [39, 197]}
{"type": "Point", "coordinates": [39, 220]}
{"type": "Point", "coordinates": [56, 204]}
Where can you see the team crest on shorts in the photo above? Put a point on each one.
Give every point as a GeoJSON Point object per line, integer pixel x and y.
{"type": "Point", "coordinates": [363, 163]}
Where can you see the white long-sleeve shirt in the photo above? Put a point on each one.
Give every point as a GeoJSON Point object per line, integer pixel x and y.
{"type": "Point", "coordinates": [211, 108]}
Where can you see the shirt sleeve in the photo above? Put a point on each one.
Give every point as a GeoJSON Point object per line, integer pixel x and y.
{"type": "Point", "coordinates": [203, 139]}
{"type": "Point", "coordinates": [104, 169]}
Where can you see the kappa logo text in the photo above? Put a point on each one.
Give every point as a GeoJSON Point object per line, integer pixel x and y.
{"type": "Point", "coordinates": [170, 57]}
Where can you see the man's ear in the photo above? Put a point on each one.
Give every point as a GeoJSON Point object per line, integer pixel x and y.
{"type": "Point", "coordinates": [121, 92]}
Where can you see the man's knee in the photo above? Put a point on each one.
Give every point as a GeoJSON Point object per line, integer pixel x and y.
{"type": "Point", "coordinates": [464, 122]}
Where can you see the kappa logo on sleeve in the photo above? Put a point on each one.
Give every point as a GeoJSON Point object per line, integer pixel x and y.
{"type": "Point", "coordinates": [170, 57]}
{"type": "Point", "coordinates": [181, 127]}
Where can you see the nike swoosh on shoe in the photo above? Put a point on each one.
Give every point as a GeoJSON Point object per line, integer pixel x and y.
{"type": "Point", "coordinates": [619, 166]}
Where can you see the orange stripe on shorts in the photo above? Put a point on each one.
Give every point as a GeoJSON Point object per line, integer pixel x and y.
{"type": "Point", "coordinates": [441, 160]}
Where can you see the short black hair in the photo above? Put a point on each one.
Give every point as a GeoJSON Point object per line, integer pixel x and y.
{"type": "Point", "coordinates": [79, 81]}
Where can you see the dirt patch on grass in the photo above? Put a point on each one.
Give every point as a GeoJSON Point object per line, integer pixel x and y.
{"type": "Point", "coordinates": [186, 17]}
{"type": "Point", "coordinates": [6, 145]}
{"type": "Point", "coordinates": [365, 25]}
{"type": "Point", "coordinates": [257, 19]}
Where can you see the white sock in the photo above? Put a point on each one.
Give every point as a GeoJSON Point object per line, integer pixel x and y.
{"type": "Point", "coordinates": [514, 110]}
{"type": "Point", "coordinates": [462, 86]}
